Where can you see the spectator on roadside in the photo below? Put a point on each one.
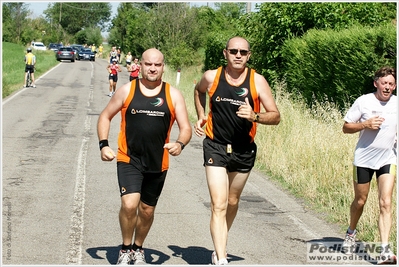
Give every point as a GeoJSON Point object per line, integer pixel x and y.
{"type": "Point", "coordinates": [113, 70]}
{"type": "Point", "coordinates": [113, 54]}
{"type": "Point", "coordinates": [128, 60]}
{"type": "Point", "coordinates": [30, 63]}
{"type": "Point", "coordinates": [118, 51]}
{"type": "Point", "coordinates": [236, 93]}
{"type": "Point", "coordinates": [374, 117]}
{"type": "Point", "coordinates": [143, 148]}
{"type": "Point", "coordinates": [134, 70]}
{"type": "Point", "coordinates": [100, 50]}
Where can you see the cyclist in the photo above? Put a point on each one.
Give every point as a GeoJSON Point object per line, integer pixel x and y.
{"type": "Point", "coordinates": [30, 62]}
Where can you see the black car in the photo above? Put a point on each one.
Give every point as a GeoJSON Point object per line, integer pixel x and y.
{"type": "Point", "coordinates": [87, 54]}
{"type": "Point", "coordinates": [76, 48]}
{"type": "Point", "coordinates": [54, 47]}
{"type": "Point", "coordinates": [65, 53]}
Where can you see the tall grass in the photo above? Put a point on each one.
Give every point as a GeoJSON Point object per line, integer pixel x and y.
{"type": "Point", "coordinates": [14, 66]}
{"type": "Point", "coordinates": [309, 155]}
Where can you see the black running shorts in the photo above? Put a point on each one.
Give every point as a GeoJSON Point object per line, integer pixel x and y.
{"type": "Point", "coordinates": [240, 159]}
{"type": "Point", "coordinates": [113, 77]}
{"type": "Point", "coordinates": [132, 180]}
{"type": "Point", "coordinates": [364, 175]}
{"type": "Point", "coordinates": [30, 68]}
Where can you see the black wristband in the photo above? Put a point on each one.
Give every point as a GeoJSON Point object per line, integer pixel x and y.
{"type": "Point", "coordinates": [103, 143]}
{"type": "Point", "coordinates": [181, 144]}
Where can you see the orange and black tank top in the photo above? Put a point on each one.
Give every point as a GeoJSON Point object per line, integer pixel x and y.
{"type": "Point", "coordinates": [146, 123]}
{"type": "Point", "coordinates": [223, 125]}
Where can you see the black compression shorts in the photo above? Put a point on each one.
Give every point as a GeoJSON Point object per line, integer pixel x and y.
{"type": "Point", "coordinates": [240, 159]}
{"type": "Point", "coordinates": [363, 175]}
{"type": "Point", "coordinates": [30, 68]}
{"type": "Point", "coordinates": [113, 77]}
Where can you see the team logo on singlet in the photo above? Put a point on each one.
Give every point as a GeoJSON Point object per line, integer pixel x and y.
{"type": "Point", "coordinates": [243, 92]}
{"type": "Point", "coordinates": [158, 103]}
{"type": "Point", "coordinates": [230, 100]}
{"type": "Point", "coordinates": [133, 111]}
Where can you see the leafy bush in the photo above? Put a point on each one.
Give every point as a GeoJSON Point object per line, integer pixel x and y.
{"type": "Point", "coordinates": [337, 66]}
{"type": "Point", "coordinates": [277, 22]}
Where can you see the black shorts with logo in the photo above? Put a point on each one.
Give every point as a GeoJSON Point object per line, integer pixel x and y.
{"type": "Point", "coordinates": [132, 180]}
{"type": "Point", "coordinates": [113, 77]}
{"type": "Point", "coordinates": [237, 159]}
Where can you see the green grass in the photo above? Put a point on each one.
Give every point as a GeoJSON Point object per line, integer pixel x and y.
{"type": "Point", "coordinates": [307, 153]}
{"type": "Point", "coordinates": [14, 66]}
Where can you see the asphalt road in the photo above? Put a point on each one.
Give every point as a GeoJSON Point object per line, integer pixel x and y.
{"type": "Point", "coordinates": [61, 202]}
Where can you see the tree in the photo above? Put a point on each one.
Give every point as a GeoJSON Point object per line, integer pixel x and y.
{"type": "Point", "coordinates": [74, 17]}
{"type": "Point", "coordinates": [14, 21]}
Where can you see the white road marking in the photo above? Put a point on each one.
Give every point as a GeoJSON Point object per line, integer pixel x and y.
{"type": "Point", "coordinates": [22, 90]}
{"type": "Point", "coordinates": [74, 254]}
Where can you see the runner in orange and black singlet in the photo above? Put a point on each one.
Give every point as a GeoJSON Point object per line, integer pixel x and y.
{"type": "Point", "coordinates": [152, 119]}
{"type": "Point", "coordinates": [226, 129]}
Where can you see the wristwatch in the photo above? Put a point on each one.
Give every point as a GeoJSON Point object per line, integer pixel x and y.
{"type": "Point", "coordinates": [256, 117]}
{"type": "Point", "coordinates": [181, 144]}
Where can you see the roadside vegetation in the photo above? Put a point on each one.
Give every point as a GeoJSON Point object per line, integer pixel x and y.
{"type": "Point", "coordinates": [318, 57]}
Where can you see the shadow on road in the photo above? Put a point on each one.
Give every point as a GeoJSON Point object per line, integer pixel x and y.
{"type": "Point", "coordinates": [111, 253]}
{"type": "Point", "coordinates": [197, 255]}
{"type": "Point", "coordinates": [191, 255]}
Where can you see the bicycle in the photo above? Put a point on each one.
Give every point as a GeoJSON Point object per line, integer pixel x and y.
{"type": "Point", "coordinates": [28, 79]}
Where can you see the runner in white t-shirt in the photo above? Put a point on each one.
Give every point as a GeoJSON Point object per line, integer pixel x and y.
{"type": "Point", "coordinates": [375, 117]}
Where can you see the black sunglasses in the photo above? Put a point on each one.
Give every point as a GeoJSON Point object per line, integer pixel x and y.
{"type": "Point", "coordinates": [235, 51]}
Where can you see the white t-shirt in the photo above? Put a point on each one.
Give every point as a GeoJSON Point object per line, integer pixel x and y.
{"type": "Point", "coordinates": [375, 148]}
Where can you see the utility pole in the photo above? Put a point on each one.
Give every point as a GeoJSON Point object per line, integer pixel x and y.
{"type": "Point", "coordinates": [248, 7]}
{"type": "Point", "coordinates": [60, 12]}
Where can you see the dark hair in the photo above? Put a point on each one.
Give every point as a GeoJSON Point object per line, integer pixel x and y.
{"type": "Point", "coordinates": [385, 71]}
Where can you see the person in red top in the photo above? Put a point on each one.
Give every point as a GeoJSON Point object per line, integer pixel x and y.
{"type": "Point", "coordinates": [113, 70]}
{"type": "Point", "coordinates": [134, 69]}
{"type": "Point", "coordinates": [236, 94]}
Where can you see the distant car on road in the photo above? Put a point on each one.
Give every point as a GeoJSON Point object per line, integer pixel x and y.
{"type": "Point", "coordinates": [87, 54]}
{"type": "Point", "coordinates": [65, 53]}
{"type": "Point", "coordinates": [54, 46]}
{"type": "Point", "coordinates": [38, 46]}
{"type": "Point", "coordinates": [76, 48]}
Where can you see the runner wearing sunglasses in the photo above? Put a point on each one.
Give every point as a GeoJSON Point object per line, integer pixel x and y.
{"type": "Point", "coordinates": [236, 94]}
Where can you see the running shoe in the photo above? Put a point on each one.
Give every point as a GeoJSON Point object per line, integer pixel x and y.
{"type": "Point", "coordinates": [139, 257]}
{"type": "Point", "coordinates": [215, 259]}
{"type": "Point", "coordinates": [387, 257]}
{"type": "Point", "coordinates": [223, 262]}
{"type": "Point", "coordinates": [349, 243]}
{"type": "Point", "coordinates": [110, 94]}
{"type": "Point", "coordinates": [34, 86]}
{"type": "Point", "coordinates": [125, 257]}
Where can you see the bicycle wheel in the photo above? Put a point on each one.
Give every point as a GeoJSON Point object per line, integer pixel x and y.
{"type": "Point", "coordinates": [28, 80]}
